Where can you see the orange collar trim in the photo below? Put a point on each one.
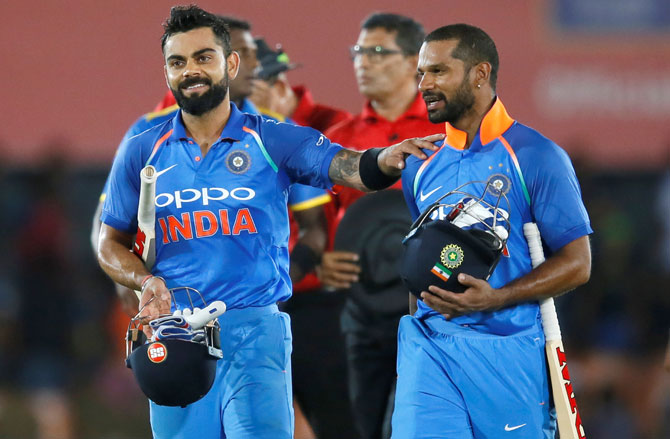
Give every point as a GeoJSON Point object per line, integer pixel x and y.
{"type": "Point", "coordinates": [494, 124]}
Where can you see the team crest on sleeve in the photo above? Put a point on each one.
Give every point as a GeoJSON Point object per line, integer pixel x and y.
{"type": "Point", "coordinates": [498, 184]}
{"type": "Point", "coordinates": [238, 161]}
{"type": "Point", "coordinates": [452, 256]}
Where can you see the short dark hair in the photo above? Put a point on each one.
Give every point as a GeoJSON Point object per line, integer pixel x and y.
{"type": "Point", "coordinates": [235, 23]}
{"type": "Point", "coordinates": [187, 18]}
{"type": "Point", "coordinates": [409, 33]}
{"type": "Point", "coordinates": [474, 46]}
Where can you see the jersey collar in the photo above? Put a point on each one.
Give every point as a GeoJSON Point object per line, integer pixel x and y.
{"type": "Point", "coordinates": [417, 110]}
{"type": "Point", "coordinates": [494, 124]}
{"type": "Point", "coordinates": [232, 130]}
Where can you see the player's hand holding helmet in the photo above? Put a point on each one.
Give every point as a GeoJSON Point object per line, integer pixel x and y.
{"type": "Point", "coordinates": [465, 234]}
{"type": "Point", "coordinates": [177, 366]}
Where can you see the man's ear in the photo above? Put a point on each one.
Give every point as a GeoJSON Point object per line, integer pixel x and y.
{"type": "Point", "coordinates": [233, 64]}
{"type": "Point", "coordinates": [482, 73]}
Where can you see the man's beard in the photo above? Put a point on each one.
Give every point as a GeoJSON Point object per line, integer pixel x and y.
{"type": "Point", "coordinates": [198, 105]}
{"type": "Point", "coordinates": [454, 109]}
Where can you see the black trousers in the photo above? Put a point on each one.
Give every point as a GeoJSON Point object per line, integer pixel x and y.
{"type": "Point", "coordinates": [319, 364]}
{"type": "Point", "coordinates": [371, 364]}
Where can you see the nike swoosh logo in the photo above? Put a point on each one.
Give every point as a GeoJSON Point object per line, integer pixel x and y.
{"type": "Point", "coordinates": [422, 196]}
{"type": "Point", "coordinates": [158, 173]}
{"type": "Point", "coordinates": [516, 427]}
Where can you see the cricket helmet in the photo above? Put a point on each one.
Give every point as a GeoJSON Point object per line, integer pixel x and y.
{"type": "Point", "coordinates": [464, 234]}
{"type": "Point", "coordinates": [178, 366]}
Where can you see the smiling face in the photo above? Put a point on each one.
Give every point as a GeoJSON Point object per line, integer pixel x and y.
{"type": "Point", "coordinates": [446, 82]}
{"type": "Point", "coordinates": [197, 71]}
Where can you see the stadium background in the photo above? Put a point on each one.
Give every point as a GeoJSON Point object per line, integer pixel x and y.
{"type": "Point", "coordinates": [594, 75]}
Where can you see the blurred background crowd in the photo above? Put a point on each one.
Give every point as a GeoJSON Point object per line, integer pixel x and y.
{"type": "Point", "coordinates": [593, 75]}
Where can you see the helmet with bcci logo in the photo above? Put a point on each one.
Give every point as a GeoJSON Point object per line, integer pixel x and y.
{"type": "Point", "coordinates": [465, 234]}
{"type": "Point", "coordinates": [178, 366]}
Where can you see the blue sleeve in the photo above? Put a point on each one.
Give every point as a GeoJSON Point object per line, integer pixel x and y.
{"type": "Point", "coordinates": [123, 187]}
{"type": "Point", "coordinates": [556, 199]}
{"type": "Point", "coordinates": [139, 126]}
{"type": "Point", "coordinates": [408, 176]}
{"type": "Point", "coordinates": [303, 197]}
{"type": "Point", "coordinates": [303, 153]}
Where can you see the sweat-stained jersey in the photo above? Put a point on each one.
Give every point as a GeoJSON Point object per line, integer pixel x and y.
{"type": "Point", "coordinates": [221, 220]}
{"type": "Point", "coordinates": [537, 178]}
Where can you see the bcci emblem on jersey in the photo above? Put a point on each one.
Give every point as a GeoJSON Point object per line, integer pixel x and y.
{"type": "Point", "coordinates": [498, 184]}
{"type": "Point", "coordinates": [238, 161]}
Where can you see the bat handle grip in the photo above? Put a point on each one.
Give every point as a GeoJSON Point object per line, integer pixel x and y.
{"type": "Point", "coordinates": [552, 329]}
{"type": "Point", "coordinates": [212, 311]}
{"type": "Point", "coordinates": [532, 234]}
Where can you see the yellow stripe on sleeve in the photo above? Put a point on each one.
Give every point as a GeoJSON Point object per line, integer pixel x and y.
{"type": "Point", "coordinates": [308, 204]}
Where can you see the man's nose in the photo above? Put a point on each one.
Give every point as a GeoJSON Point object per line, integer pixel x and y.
{"type": "Point", "coordinates": [426, 83]}
{"type": "Point", "coordinates": [192, 69]}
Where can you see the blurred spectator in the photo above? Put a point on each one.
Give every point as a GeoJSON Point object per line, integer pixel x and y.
{"type": "Point", "coordinates": [385, 60]}
{"type": "Point", "coordinates": [662, 210]}
{"type": "Point", "coordinates": [318, 361]}
{"type": "Point", "coordinates": [8, 293]}
{"type": "Point", "coordinates": [275, 97]}
{"type": "Point", "coordinates": [44, 322]}
{"type": "Point", "coordinates": [616, 332]}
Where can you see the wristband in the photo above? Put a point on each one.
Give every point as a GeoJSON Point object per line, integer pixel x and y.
{"type": "Point", "coordinates": [305, 258]}
{"type": "Point", "coordinates": [371, 176]}
{"type": "Point", "coordinates": [146, 280]}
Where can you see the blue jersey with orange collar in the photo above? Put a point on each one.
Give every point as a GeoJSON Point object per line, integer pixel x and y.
{"type": "Point", "coordinates": [299, 195]}
{"type": "Point", "coordinates": [221, 220]}
{"type": "Point", "coordinates": [537, 178]}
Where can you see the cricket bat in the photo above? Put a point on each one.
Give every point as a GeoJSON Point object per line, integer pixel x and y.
{"type": "Point", "coordinates": [145, 240]}
{"type": "Point", "coordinates": [567, 415]}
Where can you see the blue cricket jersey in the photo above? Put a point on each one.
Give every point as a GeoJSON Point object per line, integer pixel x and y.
{"type": "Point", "coordinates": [539, 181]}
{"type": "Point", "coordinates": [221, 220]}
{"type": "Point", "coordinates": [299, 195]}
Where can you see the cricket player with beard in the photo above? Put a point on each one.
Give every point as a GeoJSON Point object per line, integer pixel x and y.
{"type": "Point", "coordinates": [222, 225]}
{"type": "Point", "coordinates": [472, 365]}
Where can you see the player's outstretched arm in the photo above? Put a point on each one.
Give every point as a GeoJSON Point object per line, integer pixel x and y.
{"type": "Point", "coordinates": [568, 268]}
{"type": "Point", "coordinates": [377, 168]}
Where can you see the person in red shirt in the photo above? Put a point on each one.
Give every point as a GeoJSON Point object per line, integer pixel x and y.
{"type": "Point", "coordinates": [318, 360]}
{"type": "Point", "coordinates": [385, 61]}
